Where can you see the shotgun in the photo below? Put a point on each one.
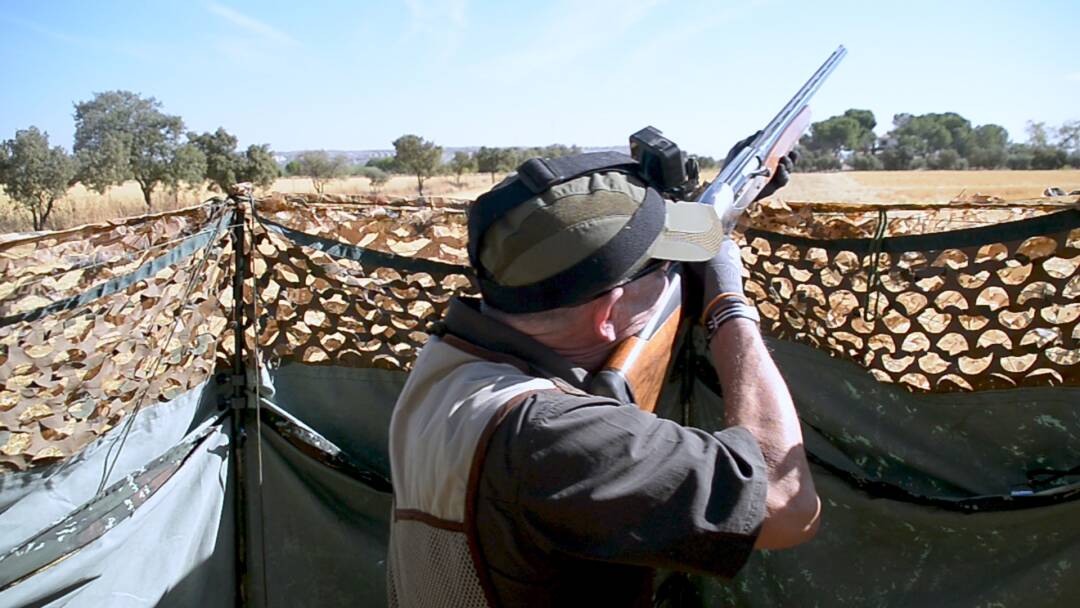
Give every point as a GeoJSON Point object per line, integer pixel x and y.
{"type": "Point", "coordinates": [643, 360]}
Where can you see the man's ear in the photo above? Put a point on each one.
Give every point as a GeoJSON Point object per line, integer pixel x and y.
{"type": "Point", "coordinates": [603, 325]}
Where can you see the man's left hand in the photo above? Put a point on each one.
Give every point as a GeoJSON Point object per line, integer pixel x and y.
{"type": "Point", "coordinates": [783, 169]}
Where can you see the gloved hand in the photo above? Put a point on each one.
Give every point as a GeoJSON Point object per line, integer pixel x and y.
{"type": "Point", "coordinates": [722, 288]}
{"type": "Point", "coordinates": [783, 170]}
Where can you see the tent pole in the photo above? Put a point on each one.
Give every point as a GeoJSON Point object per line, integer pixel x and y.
{"type": "Point", "coordinates": [239, 381]}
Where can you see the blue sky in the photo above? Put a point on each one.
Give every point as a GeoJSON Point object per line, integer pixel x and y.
{"type": "Point", "coordinates": [355, 75]}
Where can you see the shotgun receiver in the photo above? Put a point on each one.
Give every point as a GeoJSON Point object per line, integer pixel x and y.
{"type": "Point", "coordinates": [643, 360]}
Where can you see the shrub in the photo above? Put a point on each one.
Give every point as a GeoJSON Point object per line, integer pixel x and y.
{"type": "Point", "coordinates": [865, 162]}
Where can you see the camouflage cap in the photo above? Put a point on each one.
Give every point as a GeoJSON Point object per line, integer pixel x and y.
{"type": "Point", "coordinates": [557, 230]}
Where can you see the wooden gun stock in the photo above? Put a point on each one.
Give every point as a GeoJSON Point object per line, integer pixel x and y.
{"type": "Point", "coordinates": [643, 359]}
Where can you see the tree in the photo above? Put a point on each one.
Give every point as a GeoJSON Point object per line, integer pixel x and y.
{"type": "Point", "coordinates": [259, 166]}
{"type": "Point", "coordinates": [120, 136]}
{"type": "Point", "coordinates": [187, 166]}
{"type": "Point", "coordinates": [1037, 134]}
{"type": "Point", "coordinates": [811, 161]}
{"type": "Point", "coordinates": [222, 162]}
{"type": "Point", "coordinates": [945, 160]}
{"type": "Point", "coordinates": [225, 166]}
{"type": "Point", "coordinates": [377, 178]}
{"type": "Point", "coordinates": [388, 164]}
{"type": "Point", "coordinates": [1048, 157]}
{"type": "Point", "coordinates": [419, 157]}
{"type": "Point", "coordinates": [862, 161]}
{"type": "Point", "coordinates": [989, 146]}
{"type": "Point", "coordinates": [867, 123]}
{"type": "Point", "coordinates": [463, 162]}
{"type": "Point", "coordinates": [34, 175]}
{"type": "Point", "coordinates": [1068, 135]}
{"type": "Point", "coordinates": [492, 160]}
{"type": "Point", "coordinates": [853, 131]}
{"type": "Point", "coordinates": [320, 167]}
{"type": "Point", "coordinates": [1020, 156]}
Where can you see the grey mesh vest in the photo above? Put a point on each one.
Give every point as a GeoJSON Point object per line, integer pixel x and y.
{"type": "Point", "coordinates": [451, 403]}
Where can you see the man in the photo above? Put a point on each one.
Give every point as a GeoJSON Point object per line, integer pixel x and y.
{"type": "Point", "coordinates": [518, 478]}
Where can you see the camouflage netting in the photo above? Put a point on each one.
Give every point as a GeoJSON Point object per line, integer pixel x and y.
{"type": "Point", "coordinates": [992, 306]}
{"type": "Point", "coordinates": [100, 320]}
{"type": "Point", "coordinates": [932, 351]}
{"type": "Point", "coordinates": [324, 303]}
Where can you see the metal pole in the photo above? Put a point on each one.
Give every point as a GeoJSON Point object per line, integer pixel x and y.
{"type": "Point", "coordinates": [238, 402]}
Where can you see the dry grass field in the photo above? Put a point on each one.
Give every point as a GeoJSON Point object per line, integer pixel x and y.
{"type": "Point", "coordinates": [81, 206]}
{"type": "Point", "coordinates": [924, 186]}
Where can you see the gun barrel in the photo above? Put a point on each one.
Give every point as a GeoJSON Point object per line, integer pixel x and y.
{"type": "Point", "coordinates": [735, 174]}
{"type": "Point", "coordinates": [780, 122]}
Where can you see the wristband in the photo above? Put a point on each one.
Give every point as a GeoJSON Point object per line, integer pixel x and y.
{"type": "Point", "coordinates": [734, 310]}
{"type": "Point", "coordinates": [728, 295]}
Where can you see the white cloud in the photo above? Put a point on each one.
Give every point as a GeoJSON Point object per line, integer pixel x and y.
{"type": "Point", "coordinates": [1075, 77]}
{"type": "Point", "coordinates": [250, 24]}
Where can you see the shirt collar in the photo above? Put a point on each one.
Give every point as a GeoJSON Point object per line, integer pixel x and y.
{"type": "Point", "coordinates": [464, 320]}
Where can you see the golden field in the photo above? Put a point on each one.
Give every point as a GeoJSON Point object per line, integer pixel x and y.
{"type": "Point", "coordinates": [82, 206]}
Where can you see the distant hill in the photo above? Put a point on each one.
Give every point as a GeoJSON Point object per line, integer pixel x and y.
{"type": "Point", "coordinates": [360, 157]}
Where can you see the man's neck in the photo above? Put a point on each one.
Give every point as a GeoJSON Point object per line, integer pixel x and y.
{"type": "Point", "coordinates": [590, 357]}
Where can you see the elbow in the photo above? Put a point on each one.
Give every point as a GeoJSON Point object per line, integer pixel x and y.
{"type": "Point", "coordinates": [792, 523]}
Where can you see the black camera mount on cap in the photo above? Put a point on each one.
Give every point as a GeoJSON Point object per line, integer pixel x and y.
{"type": "Point", "coordinates": [663, 165]}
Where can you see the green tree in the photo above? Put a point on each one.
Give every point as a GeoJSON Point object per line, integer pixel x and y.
{"type": "Point", "coordinates": [867, 123]}
{"type": "Point", "coordinates": [1068, 135]}
{"type": "Point", "coordinates": [559, 150]}
{"type": "Point", "coordinates": [1048, 157]}
{"type": "Point", "coordinates": [320, 167]}
{"type": "Point", "coordinates": [1037, 134]}
{"type": "Point", "coordinates": [812, 161]}
{"type": "Point", "coordinates": [259, 166]}
{"type": "Point", "coordinates": [388, 164]}
{"type": "Point", "coordinates": [492, 160]}
{"type": "Point", "coordinates": [1020, 156]}
{"type": "Point", "coordinates": [419, 157]}
{"type": "Point", "coordinates": [377, 178]}
{"type": "Point", "coordinates": [989, 146]}
{"type": "Point", "coordinates": [463, 162]}
{"type": "Point", "coordinates": [852, 131]}
{"type": "Point", "coordinates": [946, 160]}
{"type": "Point", "coordinates": [120, 135]}
{"type": "Point", "coordinates": [35, 176]}
{"type": "Point", "coordinates": [226, 166]}
{"type": "Point", "coordinates": [222, 162]}
{"type": "Point", "coordinates": [863, 161]}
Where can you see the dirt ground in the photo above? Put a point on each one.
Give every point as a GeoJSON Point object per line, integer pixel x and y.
{"type": "Point", "coordinates": [81, 206]}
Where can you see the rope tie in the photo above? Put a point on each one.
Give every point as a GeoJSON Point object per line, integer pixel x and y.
{"type": "Point", "coordinates": [874, 280]}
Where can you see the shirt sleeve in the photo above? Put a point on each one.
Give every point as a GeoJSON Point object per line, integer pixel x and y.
{"type": "Point", "coordinates": [600, 480]}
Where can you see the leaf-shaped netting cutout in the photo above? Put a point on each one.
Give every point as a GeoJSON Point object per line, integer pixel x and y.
{"type": "Point", "coordinates": [71, 375]}
{"type": "Point", "coordinates": [965, 310]}
{"type": "Point", "coordinates": [321, 307]}
{"type": "Point", "coordinates": [950, 298]}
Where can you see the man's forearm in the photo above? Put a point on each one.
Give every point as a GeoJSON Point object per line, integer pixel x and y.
{"type": "Point", "coordinates": [757, 398]}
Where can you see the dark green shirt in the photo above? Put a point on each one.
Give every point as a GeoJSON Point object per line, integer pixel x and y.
{"type": "Point", "coordinates": [582, 497]}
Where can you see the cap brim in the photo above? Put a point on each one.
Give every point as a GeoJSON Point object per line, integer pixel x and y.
{"type": "Point", "coordinates": [693, 232]}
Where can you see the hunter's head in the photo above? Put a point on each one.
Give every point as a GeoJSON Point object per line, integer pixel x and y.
{"type": "Point", "coordinates": [578, 262]}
